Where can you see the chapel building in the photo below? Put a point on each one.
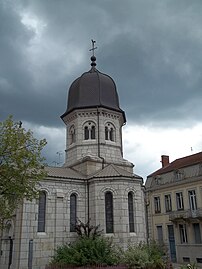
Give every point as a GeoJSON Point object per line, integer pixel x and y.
{"type": "Point", "coordinates": [95, 183]}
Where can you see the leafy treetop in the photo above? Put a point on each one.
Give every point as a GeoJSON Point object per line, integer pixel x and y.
{"type": "Point", "coordinates": [21, 166]}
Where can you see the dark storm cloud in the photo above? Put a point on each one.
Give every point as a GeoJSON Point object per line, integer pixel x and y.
{"type": "Point", "coordinates": [152, 49]}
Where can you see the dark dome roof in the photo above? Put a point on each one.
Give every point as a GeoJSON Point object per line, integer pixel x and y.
{"type": "Point", "coordinates": [93, 89]}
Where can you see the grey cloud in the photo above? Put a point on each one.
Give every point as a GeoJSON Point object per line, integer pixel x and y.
{"type": "Point", "coordinates": [152, 49]}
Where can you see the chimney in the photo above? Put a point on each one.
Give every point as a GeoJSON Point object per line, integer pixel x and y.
{"type": "Point", "coordinates": [164, 160]}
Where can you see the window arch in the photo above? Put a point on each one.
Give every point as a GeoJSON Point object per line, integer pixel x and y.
{"type": "Point", "coordinates": [72, 134]}
{"type": "Point", "coordinates": [109, 132]}
{"type": "Point", "coordinates": [131, 212]}
{"type": "Point", "coordinates": [89, 130]}
{"type": "Point", "coordinates": [73, 211]}
{"type": "Point", "coordinates": [42, 212]}
{"type": "Point", "coordinates": [109, 212]}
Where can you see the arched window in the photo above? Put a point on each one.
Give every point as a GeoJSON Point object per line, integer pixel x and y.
{"type": "Point", "coordinates": [72, 135]}
{"type": "Point", "coordinates": [42, 212]}
{"type": "Point", "coordinates": [131, 213]}
{"type": "Point", "coordinates": [109, 132]}
{"type": "Point", "coordinates": [73, 212]}
{"type": "Point", "coordinates": [89, 131]}
{"type": "Point", "coordinates": [86, 133]}
{"type": "Point", "coordinates": [92, 132]}
{"type": "Point", "coordinates": [109, 212]}
{"type": "Point", "coordinates": [106, 133]}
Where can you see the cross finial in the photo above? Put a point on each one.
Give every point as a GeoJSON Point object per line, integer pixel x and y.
{"type": "Point", "coordinates": [93, 46]}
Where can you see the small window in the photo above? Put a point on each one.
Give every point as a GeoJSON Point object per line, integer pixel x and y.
{"type": "Point", "coordinates": [186, 259]}
{"type": "Point", "coordinates": [42, 212]}
{"type": "Point", "coordinates": [157, 204]}
{"type": "Point", "coordinates": [73, 212]}
{"type": "Point", "coordinates": [72, 135]}
{"type": "Point", "coordinates": [131, 213]}
{"type": "Point", "coordinates": [92, 132]}
{"type": "Point", "coordinates": [199, 260]}
{"type": "Point", "coordinates": [86, 133]}
{"type": "Point", "coordinates": [109, 212]}
{"type": "Point", "coordinates": [106, 133]}
{"type": "Point", "coordinates": [179, 200]}
{"type": "Point", "coordinates": [183, 233]}
{"type": "Point", "coordinates": [178, 175]}
{"type": "Point", "coordinates": [111, 134]}
{"type": "Point", "coordinates": [168, 203]}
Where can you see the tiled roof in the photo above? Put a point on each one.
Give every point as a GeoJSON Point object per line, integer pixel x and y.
{"type": "Point", "coordinates": [112, 170]}
{"type": "Point", "coordinates": [63, 172]}
{"type": "Point", "coordinates": [179, 163]}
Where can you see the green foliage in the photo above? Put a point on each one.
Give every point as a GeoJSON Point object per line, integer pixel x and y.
{"type": "Point", "coordinates": [136, 257]}
{"type": "Point", "coordinates": [145, 256]}
{"type": "Point", "coordinates": [87, 251]}
{"type": "Point", "coordinates": [157, 255]}
{"type": "Point", "coordinates": [20, 166]}
{"type": "Point", "coordinates": [87, 230]}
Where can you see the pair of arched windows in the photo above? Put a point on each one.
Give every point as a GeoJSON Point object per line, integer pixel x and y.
{"type": "Point", "coordinates": [109, 132]}
{"type": "Point", "coordinates": [89, 131]}
{"type": "Point", "coordinates": [42, 212]}
{"type": "Point", "coordinates": [109, 219]}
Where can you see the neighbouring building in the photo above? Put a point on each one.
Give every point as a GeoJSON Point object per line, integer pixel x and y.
{"type": "Point", "coordinates": [174, 207]}
{"type": "Point", "coordinates": [95, 183]}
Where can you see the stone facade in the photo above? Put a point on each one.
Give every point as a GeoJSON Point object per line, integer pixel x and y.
{"type": "Point", "coordinates": [111, 151]}
{"type": "Point", "coordinates": [94, 167]}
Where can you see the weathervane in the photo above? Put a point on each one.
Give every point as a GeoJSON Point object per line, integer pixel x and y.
{"type": "Point", "coordinates": [93, 46]}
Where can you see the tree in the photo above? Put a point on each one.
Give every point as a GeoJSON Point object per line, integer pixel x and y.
{"type": "Point", "coordinates": [21, 166]}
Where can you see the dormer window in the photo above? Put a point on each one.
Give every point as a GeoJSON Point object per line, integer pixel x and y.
{"type": "Point", "coordinates": [178, 175]}
{"type": "Point", "coordinates": [89, 130]}
{"type": "Point", "coordinates": [109, 132]}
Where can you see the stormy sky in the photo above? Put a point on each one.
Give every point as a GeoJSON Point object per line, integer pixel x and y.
{"type": "Point", "coordinates": [151, 48]}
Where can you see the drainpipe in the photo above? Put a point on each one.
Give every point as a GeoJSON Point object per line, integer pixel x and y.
{"type": "Point", "coordinates": [88, 201]}
{"type": "Point", "coordinates": [98, 138]}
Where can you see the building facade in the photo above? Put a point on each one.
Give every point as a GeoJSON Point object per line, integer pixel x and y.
{"type": "Point", "coordinates": [174, 207]}
{"type": "Point", "coordinates": [95, 183]}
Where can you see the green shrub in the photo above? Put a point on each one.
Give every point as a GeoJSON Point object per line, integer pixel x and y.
{"type": "Point", "coordinates": [145, 256]}
{"type": "Point", "coordinates": [87, 251]}
{"type": "Point", "coordinates": [136, 257]}
{"type": "Point", "coordinates": [157, 255]}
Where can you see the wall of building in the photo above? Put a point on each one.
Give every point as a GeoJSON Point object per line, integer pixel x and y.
{"type": "Point", "coordinates": [111, 151]}
{"type": "Point", "coordinates": [169, 184]}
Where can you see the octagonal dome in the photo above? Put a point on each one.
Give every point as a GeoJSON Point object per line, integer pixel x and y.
{"type": "Point", "coordinates": [93, 89]}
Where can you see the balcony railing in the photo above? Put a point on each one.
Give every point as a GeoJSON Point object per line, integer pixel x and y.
{"type": "Point", "coordinates": [185, 214]}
